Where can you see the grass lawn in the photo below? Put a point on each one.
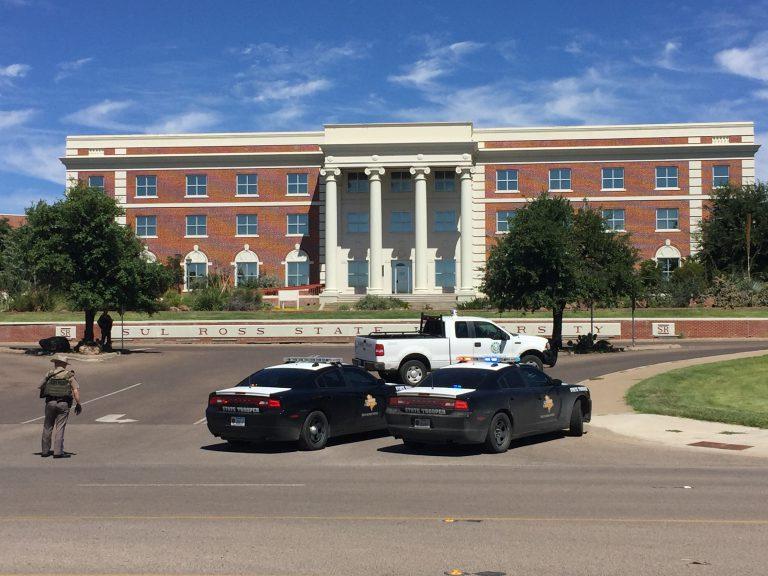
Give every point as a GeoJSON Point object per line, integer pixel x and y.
{"type": "Point", "coordinates": [735, 392]}
{"type": "Point", "coordinates": [314, 314]}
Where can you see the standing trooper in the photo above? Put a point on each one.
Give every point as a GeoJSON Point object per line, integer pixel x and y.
{"type": "Point", "coordinates": [59, 388]}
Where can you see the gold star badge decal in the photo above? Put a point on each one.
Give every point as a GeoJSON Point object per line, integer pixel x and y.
{"type": "Point", "coordinates": [548, 403]}
{"type": "Point", "coordinates": [370, 402]}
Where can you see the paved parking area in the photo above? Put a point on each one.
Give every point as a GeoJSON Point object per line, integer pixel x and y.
{"type": "Point", "coordinates": [161, 495]}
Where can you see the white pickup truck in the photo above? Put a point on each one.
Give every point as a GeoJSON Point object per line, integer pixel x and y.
{"type": "Point", "coordinates": [440, 341]}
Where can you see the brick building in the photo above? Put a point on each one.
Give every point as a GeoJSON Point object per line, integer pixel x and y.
{"type": "Point", "coordinates": [408, 209]}
{"type": "Point", "coordinates": [15, 220]}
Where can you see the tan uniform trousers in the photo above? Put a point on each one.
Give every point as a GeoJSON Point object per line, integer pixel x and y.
{"type": "Point", "coordinates": [56, 416]}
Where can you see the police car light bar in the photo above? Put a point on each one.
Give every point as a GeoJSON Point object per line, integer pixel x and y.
{"type": "Point", "coordinates": [312, 360]}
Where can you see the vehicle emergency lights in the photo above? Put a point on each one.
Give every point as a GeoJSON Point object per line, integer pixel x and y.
{"type": "Point", "coordinates": [312, 360]}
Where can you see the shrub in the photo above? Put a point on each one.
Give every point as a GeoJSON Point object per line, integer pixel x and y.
{"type": "Point", "coordinates": [171, 298]}
{"type": "Point", "coordinates": [373, 302]}
{"type": "Point", "coordinates": [475, 304]}
{"type": "Point", "coordinates": [730, 292]}
{"type": "Point", "coordinates": [244, 299]}
{"type": "Point", "coordinates": [263, 281]}
{"type": "Point", "coordinates": [38, 300]}
{"type": "Point", "coordinates": [687, 283]}
{"type": "Point", "coordinates": [208, 299]}
{"type": "Point", "coordinates": [343, 307]}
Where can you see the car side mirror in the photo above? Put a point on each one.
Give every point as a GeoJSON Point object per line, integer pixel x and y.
{"type": "Point", "coordinates": [557, 382]}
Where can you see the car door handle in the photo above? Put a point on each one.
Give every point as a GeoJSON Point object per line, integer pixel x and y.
{"type": "Point", "coordinates": [478, 344]}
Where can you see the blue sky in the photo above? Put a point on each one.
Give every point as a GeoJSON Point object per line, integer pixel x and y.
{"type": "Point", "coordinates": [74, 67]}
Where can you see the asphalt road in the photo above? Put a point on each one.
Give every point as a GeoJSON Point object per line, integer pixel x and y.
{"type": "Point", "coordinates": [160, 495]}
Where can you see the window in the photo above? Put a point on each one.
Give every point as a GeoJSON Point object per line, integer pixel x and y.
{"type": "Point", "coordinates": [613, 179]}
{"type": "Point", "coordinates": [196, 274]}
{"type": "Point", "coordinates": [560, 179]}
{"type": "Point", "coordinates": [666, 176]}
{"type": "Point", "coordinates": [533, 377]}
{"type": "Point", "coordinates": [298, 225]}
{"type": "Point", "coordinates": [401, 222]}
{"type": "Point", "coordinates": [247, 185]}
{"type": "Point", "coordinates": [96, 182]}
{"type": "Point", "coordinates": [719, 176]}
{"type": "Point", "coordinates": [247, 225]}
{"type": "Point", "coordinates": [666, 219]}
{"type": "Point", "coordinates": [297, 185]}
{"type": "Point", "coordinates": [146, 226]}
{"type": "Point", "coordinates": [445, 181]}
{"type": "Point", "coordinates": [357, 183]}
{"type": "Point", "coordinates": [401, 182]}
{"type": "Point", "coordinates": [614, 219]}
{"type": "Point", "coordinates": [506, 180]}
{"type": "Point", "coordinates": [445, 273]}
{"type": "Point", "coordinates": [668, 265]}
{"type": "Point", "coordinates": [146, 186]}
{"type": "Point", "coordinates": [197, 185]}
{"type": "Point", "coordinates": [358, 378]}
{"type": "Point", "coordinates": [357, 274]}
{"type": "Point", "coordinates": [462, 329]}
{"type": "Point", "coordinates": [445, 221]}
{"type": "Point", "coordinates": [197, 225]}
{"type": "Point", "coordinates": [510, 378]}
{"type": "Point", "coordinates": [331, 379]}
{"type": "Point", "coordinates": [357, 222]}
{"type": "Point", "coordinates": [502, 220]}
{"type": "Point", "coordinates": [247, 272]}
{"type": "Point", "coordinates": [488, 330]}
{"type": "Point", "coordinates": [297, 274]}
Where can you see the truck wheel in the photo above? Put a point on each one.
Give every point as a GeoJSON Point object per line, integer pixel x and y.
{"type": "Point", "coordinates": [314, 432]}
{"type": "Point", "coordinates": [576, 427]}
{"type": "Point", "coordinates": [533, 360]}
{"type": "Point", "coordinates": [413, 372]}
{"type": "Point", "coordinates": [499, 434]}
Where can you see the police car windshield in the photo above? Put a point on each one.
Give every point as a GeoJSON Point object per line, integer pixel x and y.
{"type": "Point", "coordinates": [280, 378]}
{"type": "Point", "coordinates": [460, 378]}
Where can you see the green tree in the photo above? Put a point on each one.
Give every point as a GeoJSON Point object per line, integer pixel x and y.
{"type": "Point", "coordinates": [723, 235]}
{"type": "Point", "coordinates": [75, 246]}
{"type": "Point", "coordinates": [553, 255]}
{"type": "Point", "coordinates": [687, 282]}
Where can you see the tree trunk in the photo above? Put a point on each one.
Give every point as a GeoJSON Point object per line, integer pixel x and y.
{"type": "Point", "coordinates": [90, 317]}
{"type": "Point", "coordinates": [557, 326]}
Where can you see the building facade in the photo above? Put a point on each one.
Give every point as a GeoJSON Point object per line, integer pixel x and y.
{"type": "Point", "coordinates": [406, 209]}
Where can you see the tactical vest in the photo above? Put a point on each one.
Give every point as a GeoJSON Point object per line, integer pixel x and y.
{"type": "Point", "coordinates": [58, 385]}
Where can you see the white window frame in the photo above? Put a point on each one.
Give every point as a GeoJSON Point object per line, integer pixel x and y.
{"type": "Point", "coordinates": [145, 226]}
{"type": "Point", "coordinates": [247, 185]}
{"type": "Point", "coordinates": [612, 179]}
{"type": "Point", "coordinates": [288, 225]}
{"type": "Point", "coordinates": [298, 185]}
{"type": "Point", "coordinates": [103, 186]}
{"type": "Point", "coordinates": [613, 211]}
{"type": "Point", "coordinates": [186, 226]}
{"type": "Point", "coordinates": [507, 180]}
{"type": "Point", "coordinates": [506, 220]}
{"type": "Point", "coordinates": [666, 178]}
{"type": "Point", "coordinates": [146, 186]}
{"type": "Point", "coordinates": [676, 229]}
{"type": "Point", "coordinates": [727, 176]}
{"type": "Point", "coordinates": [196, 186]}
{"type": "Point", "coordinates": [238, 234]}
{"type": "Point", "coordinates": [560, 180]}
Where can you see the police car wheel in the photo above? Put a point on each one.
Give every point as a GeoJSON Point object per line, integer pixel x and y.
{"type": "Point", "coordinates": [314, 432]}
{"type": "Point", "coordinates": [499, 434]}
{"type": "Point", "coordinates": [413, 372]}
{"type": "Point", "coordinates": [533, 361]}
{"type": "Point", "coordinates": [576, 427]}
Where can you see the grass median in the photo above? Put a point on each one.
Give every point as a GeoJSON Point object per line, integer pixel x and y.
{"type": "Point", "coordinates": [733, 392]}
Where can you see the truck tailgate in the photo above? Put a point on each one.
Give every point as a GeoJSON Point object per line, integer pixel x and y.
{"type": "Point", "coordinates": [365, 348]}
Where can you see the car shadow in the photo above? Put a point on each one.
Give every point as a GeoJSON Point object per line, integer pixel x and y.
{"type": "Point", "coordinates": [463, 450]}
{"type": "Point", "coordinates": [285, 447]}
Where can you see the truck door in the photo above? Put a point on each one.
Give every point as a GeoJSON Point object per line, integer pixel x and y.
{"type": "Point", "coordinates": [489, 340]}
{"type": "Point", "coordinates": [462, 342]}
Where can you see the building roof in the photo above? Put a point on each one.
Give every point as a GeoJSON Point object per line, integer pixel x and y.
{"type": "Point", "coordinates": [15, 220]}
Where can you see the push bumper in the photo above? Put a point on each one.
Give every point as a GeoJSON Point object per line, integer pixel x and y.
{"type": "Point", "coordinates": [550, 356]}
{"type": "Point", "coordinates": [258, 427]}
{"type": "Point", "coordinates": [368, 365]}
{"type": "Point", "coordinates": [461, 428]}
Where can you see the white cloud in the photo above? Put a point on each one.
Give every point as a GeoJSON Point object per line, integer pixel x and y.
{"type": "Point", "coordinates": [761, 94]}
{"type": "Point", "coordinates": [66, 69]}
{"type": "Point", "coordinates": [750, 62]}
{"type": "Point", "coordinates": [14, 70]}
{"type": "Point", "coordinates": [10, 118]}
{"type": "Point", "coordinates": [102, 115]}
{"type": "Point", "coordinates": [187, 122]}
{"type": "Point", "coordinates": [667, 58]}
{"type": "Point", "coordinates": [33, 155]}
{"type": "Point", "coordinates": [284, 90]}
{"type": "Point", "coordinates": [439, 62]}
{"type": "Point", "coordinates": [761, 158]}
{"type": "Point", "coordinates": [573, 47]}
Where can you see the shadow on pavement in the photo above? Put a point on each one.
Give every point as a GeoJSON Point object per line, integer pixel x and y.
{"type": "Point", "coordinates": [459, 450]}
{"type": "Point", "coordinates": [283, 447]}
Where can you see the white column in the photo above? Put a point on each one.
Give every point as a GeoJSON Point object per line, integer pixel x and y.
{"type": "Point", "coordinates": [331, 231]}
{"type": "Point", "coordinates": [420, 280]}
{"type": "Point", "coordinates": [465, 229]}
{"type": "Point", "coordinates": [375, 228]}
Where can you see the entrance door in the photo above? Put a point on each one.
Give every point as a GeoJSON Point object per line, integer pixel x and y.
{"type": "Point", "coordinates": [401, 277]}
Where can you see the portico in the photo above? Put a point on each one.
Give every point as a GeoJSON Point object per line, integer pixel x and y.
{"type": "Point", "coordinates": [398, 211]}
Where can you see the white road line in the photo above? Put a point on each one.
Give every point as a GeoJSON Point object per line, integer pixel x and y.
{"type": "Point", "coordinates": [202, 420]}
{"type": "Point", "coordinates": [91, 400]}
{"type": "Point", "coordinates": [191, 485]}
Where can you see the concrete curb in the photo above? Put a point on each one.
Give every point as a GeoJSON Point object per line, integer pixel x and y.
{"type": "Point", "coordinates": [611, 412]}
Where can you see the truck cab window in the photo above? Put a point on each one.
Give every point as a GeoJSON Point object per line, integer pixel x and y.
{"type": "Point", "coordinates": [488, 330]}
{"type": "Point", "coordinates": [462, 330]}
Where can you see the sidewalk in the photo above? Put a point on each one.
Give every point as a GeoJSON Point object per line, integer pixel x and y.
{"type": "Point", "coordinates": [610, 411]}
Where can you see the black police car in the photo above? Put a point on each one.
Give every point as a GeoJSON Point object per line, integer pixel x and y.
{"type": "Point", "coordinates": [307, 400]}
{"type": "Point", "coordinates": [487, 401]}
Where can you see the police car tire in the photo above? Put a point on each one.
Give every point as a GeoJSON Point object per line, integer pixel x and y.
{"type": "Point", "coordinates": [491, 442]}
{"type": "Point", "coordinates": [576, 427]}
{"type": "Point", "coordinates": [412, 365]}
{"type": "Point", "coordinates": [532, 359]}
{"type": "Point", "coordinates": [306, 441]}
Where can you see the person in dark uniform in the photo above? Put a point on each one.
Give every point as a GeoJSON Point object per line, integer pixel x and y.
{"type": "Point", "coordinates": [59, 388]}
{"type": "Point", "coordinates": [105, 325]}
